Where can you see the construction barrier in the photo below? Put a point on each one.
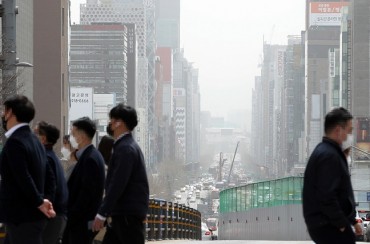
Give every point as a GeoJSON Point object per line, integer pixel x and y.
{"type": "Point", "coordinates": [172, 221]}
{"type": "Point", "coordinates": [165, 221]}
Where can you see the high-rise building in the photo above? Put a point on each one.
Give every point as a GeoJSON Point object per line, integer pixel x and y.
{"type": "Point", "coordinates": [272, 78]}
{"type": "Point", "coordinates": [323, 20]}
{"type": "Point", "coordinates": [257, 145]}
{"type": "Point", "coordinates": [164, 106]}
{"type": "Point", "coordinates": [186, 107]}
{"type": "Point", "coordinates": [164, 102]}
{"type": "Point", "coordinates": [133, 12]}
{"type": "Point", "coordinates": [359, 61]}
{"type": "Point", "coordinates": [278, 108]}
{"type": "Point", "coordinates": [98, 58]}
{"type": "Point", "coordinates": [355, 85]}
{"type": "Point", "coordinates": [168, 23]}
{"type": "Point", "coordinates": [293, 103]}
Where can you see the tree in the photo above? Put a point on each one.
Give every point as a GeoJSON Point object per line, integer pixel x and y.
{"type": "Point", "coordinates": [170, 177]}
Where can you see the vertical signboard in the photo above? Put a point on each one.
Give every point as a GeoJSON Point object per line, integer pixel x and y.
{"type": "Point", "coordinates": [81, 103]}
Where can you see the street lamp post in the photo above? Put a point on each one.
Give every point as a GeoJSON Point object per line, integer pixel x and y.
{"type": "Point", "coordinates": [8, 14]}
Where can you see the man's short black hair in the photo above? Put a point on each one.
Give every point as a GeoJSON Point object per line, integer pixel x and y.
{"type": "Point", "coordinates": [337, 116]}
{"type": "Point", "coordinates": [21, 107]}
{"type": "Point", "coordinates": [86, 125]}
{"type": "Point", "coordinates": [51, 132]}
{"type": "Point", "coordinates": [125, 113]}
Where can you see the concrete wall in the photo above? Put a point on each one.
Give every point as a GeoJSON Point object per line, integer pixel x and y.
{"type": "Point", "coordinates": [275, 223]}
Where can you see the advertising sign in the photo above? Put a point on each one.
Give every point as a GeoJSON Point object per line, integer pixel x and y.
{"type": "Point", "coordinates": [326, 13]}
{"type": "Point", "coordinates": [81, 102]}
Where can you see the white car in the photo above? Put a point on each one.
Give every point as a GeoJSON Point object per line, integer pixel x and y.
{"type": "Point", "coordinates": [206, 233]}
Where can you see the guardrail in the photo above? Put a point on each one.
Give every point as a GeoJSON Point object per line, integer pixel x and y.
{"type": "Point", "coordinates": [165, 221]}
{"type": "Point", "coordinates": [168, 220]}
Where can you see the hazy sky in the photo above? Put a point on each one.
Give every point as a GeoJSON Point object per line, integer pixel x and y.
{"type": "Point", "coordinates": [224, 39]}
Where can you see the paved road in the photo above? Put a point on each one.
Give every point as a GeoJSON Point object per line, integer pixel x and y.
{"type": "Point", "coordinates": [236, 242]}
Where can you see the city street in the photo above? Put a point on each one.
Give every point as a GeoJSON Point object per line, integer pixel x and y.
{"type": "Point", "coordinates": [236, 242]}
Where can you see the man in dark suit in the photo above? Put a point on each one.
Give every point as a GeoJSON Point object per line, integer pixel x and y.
{"type": "Point", "coordinates": [126, 198]}
{"type": "Point", "coordinates": [23, 161]}
{"type": "Point", "coordinates": [328, 201]}
{"type": "Point", "coordinates": [49, 135]}
{"type": "Point", "coordinates": [85, 185]}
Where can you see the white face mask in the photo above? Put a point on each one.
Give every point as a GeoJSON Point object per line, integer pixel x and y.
{"type": "Point", "coordinates": [349, 160]}
{"type": "Point", "coordinates": [73, 141]}
{"type": "Point", "coordinates": [66, 153]}
{"type": "Point", "coordinates": [347, 143]}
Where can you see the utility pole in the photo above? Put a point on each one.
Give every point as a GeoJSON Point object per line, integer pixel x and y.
{"type": "Point", "coordinates": [8, 12]}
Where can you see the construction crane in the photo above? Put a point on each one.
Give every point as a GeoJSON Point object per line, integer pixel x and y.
{"type": "Point", "coordinates": [232, 163]}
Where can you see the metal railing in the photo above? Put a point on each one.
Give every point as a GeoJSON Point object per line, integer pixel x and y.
{"type": "Point", "coordinates": [165, 221]}
{"type": "Point", "coordinates": [168, 220]}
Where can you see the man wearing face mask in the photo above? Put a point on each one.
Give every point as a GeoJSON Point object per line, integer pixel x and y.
{"type": "Point", "coordinates": [48, 135]}
{"type": "Point", "coordinates": [69, 159]}
{"type": "Point", "coordinates": [126, 191]}
{"type": "Point", "coordinates": [23, 170]}
{"type": "Point", "coordinates": [85, 184]}
{"type": "Point", "coordinates": [328, 200]}
{"type": "Point", "coordinates": [346, 147]}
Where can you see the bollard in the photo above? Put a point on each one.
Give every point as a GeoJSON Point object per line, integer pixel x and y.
{"type": "Point", "coordinates": [169, 220]}
{"type": "Point", "coordinates": [156, 220]}
{"type": "Point", "coordinates": [151, 234]}
{"type": "Point", "coordinates": [177, 221]}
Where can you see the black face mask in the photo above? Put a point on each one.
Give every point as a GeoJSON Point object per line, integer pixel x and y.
{"type": "Point", "coordinates": [109, 129]}
{"type": "Point", "coordinates": [4, 122]}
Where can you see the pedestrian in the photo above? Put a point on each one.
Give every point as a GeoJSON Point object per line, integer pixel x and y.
{"type": "Point", "coordinates": [328, 200]}
{"type": "Point", "coordinates": [85, 185]}
{"type": "Point", "coordinates": [23, 207]}
{"type": "Point", "coordinates": [68, 159]}
{"type": "Point", "coordinates": [105, 148]}
{"type": "Point", "coordinates": [126, 198]}
{"type": "Point", "coordinates": [48, 135]}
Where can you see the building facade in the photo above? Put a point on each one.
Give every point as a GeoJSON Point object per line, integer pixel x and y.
{"type": "Point", "coordinates": [132, 12]}
{"type": "Point", "coordinates": [50, 62]}
{"type": "Point", "coordinates": [98, 59]}
{"type": "Point", "coordinates": [322, 34]}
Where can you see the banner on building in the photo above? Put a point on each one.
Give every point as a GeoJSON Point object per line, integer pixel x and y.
{"type": "Point", "coordinates": [326, 13]}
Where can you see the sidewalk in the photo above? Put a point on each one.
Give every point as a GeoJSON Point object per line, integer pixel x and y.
{"type": "Point", "coordinates": [233, 242]}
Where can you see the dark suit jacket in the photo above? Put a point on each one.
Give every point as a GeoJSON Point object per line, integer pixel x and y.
{"type": "Point", "coordinates": [126, 188]}
{"type": "Point", "coordinates": [60, 198]}
{"type": "Point", "coordinates": [85, 186]}
{"type": "Point", "coordinates": [327, 190]}
{"type": "Point", "coordinates": [22, 168]}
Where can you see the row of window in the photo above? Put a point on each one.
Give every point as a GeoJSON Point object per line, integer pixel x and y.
{"type": "Point", "coordinates": [262, 195]}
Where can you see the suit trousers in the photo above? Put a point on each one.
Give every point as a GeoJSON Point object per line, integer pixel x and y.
{"type": "Point", "coordinates": [54, 230]}
{"type": "Point", "coordinates": [78, 233]}
{"type": "Point", "coordinates": [125, 230]}
{"type": "Point", "coordinates": [25, 233]}
{"type": "Point", "coordinates": [329, 234]}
